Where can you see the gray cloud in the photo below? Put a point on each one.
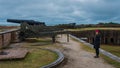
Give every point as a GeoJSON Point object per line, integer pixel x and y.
{"type": "Point", "coordinates": [61, 11]}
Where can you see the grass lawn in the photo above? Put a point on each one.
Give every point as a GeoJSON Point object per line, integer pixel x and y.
{"type": "Point", "coordinates": [36, 57]}
{"type": "Point", "coordinates": [112, 49]}
{"type": "Point", "coordinates": [94, 28]}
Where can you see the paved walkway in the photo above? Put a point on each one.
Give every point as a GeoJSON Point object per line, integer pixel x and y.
{"type": "Point", "coordinates": [79, 58]}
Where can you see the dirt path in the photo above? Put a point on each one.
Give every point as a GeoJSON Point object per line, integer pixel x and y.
{"type": "Point", "coordinates": [78, 58]}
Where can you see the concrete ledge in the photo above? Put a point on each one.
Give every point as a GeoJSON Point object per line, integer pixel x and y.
{"type": "Point", "coordinates": [56, 62]}
{"type": "Point", "coordinates": [14, 54]}
{"type": "Point", "coordinates": [114, 57]}
{"type": "Point", "coordinates": [9, 31]}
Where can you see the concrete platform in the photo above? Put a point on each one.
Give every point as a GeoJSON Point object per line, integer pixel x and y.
{"type": "Point", "coordinates": [18, 53]}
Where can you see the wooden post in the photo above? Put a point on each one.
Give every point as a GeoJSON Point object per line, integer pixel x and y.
{"type": "Point", "coordinates": [53, 39]}
{"type": "Point", "coordinates": [67, 37]}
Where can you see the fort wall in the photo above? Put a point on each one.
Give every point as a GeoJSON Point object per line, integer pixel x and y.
{"type": "Point", "coordinates": [107, 36]}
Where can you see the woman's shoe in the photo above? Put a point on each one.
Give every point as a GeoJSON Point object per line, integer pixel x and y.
{"type": "Point", "coordinates": [96, 56]}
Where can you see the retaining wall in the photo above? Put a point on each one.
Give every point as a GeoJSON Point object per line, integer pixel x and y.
{"type": "Point", "coordinates": [8, 37]}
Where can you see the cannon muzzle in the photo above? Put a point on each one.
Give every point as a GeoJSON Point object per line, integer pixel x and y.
{"type": "Point", "coordinates": [30, 22]}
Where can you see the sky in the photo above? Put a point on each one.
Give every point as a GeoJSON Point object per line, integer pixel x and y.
{"type": "Point", "coordinates": [54, 12]}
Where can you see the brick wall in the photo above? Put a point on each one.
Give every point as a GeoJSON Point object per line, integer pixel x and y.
{"type": "Point", "coordinates": [0, 41]}
{"type": "Point", "coordinates": [7, 37]}
{"type": "Point", "coordinates": [14, 36]}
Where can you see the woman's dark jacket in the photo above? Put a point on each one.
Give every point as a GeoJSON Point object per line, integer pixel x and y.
{"type": "Point", "coordinates": [97, 41]}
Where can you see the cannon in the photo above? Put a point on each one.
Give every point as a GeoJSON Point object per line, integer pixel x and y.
{"type": "Point", "coordinates": [32, 29]}
{"type": "Point", "coordinates": [30, 22]}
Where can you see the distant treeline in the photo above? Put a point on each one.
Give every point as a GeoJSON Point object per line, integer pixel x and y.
{"type": "Point", "coordinates": [66, 26]}
{"type": "Point", "coordinates": [101, 24]}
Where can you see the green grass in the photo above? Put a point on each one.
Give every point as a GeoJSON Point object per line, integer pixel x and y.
{"type": "Point", "coordinates": [36, 57]}
{"type": "Point", "coordinates": [99, 28]}
{"type": "Point", "coordinates": [112, 49]}
{"type": "Point", "coordinates": [110, 61]}
{"type": "Point", "coordinates": [87, 48]}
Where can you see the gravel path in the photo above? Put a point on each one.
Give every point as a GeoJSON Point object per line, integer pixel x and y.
{"type": "Point", "coordinates": [79, 58]}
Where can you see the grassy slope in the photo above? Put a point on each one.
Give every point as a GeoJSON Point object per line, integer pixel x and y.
{"type": "Point", "coordinates": [99, 28]}
{"type": "Point", "coordinates": [111, 48]}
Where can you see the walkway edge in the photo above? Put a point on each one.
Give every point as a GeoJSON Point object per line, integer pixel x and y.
{"type": "Point", "coordinates": [56, 62]}
{"type": "Point", "coordinates": [110, 55]}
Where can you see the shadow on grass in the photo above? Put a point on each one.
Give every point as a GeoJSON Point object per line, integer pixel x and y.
{"type": "Point", "coordinates": [34, 40]}
{"type": "Point", "coordinates": [39, 41]}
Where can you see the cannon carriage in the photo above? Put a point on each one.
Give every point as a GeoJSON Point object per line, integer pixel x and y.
{"type": "Point", "coordinates": [35, 29]}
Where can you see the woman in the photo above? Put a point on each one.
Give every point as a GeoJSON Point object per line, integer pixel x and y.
{"type": "Point", "coordinates": [97, 43]}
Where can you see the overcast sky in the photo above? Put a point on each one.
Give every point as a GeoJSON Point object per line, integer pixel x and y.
{"type": "Point", "coordinates": [61, 11]}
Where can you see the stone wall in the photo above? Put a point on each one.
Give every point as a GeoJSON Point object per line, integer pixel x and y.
{"type": "Point", "coordinates": [7, 37]}
{"type": "Point", "coordinates": [1, 41]}
{"type": "Point", "coordinates": [14, 36]}
{"type": "Point", "coordinates": [107, 36]}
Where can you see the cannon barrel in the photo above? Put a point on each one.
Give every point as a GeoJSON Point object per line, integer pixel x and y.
{"type": "Point", "coordinates": [30, 22]}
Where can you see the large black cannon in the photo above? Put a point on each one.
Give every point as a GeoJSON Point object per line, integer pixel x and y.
{"type": "Point", "coordinates": [31, 29]}
{"type": "Point", "coordinates": [30, 22]}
